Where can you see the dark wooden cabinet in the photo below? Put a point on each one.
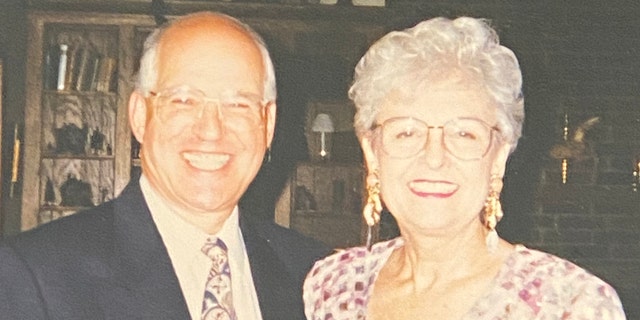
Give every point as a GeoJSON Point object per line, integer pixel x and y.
{"type": "Point", "coordinates": [324, 195]}
{"type": "Point", "coordinates": [80, 69]}
{"type": "Point", "coordinates": [324, 201]}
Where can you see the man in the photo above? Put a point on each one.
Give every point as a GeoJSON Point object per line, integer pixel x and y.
{"type": "Point", "coordinates": [204, 112]}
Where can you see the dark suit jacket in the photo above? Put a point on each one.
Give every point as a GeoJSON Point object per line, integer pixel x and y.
{"type": "Point", "coordinates": [110, 263]}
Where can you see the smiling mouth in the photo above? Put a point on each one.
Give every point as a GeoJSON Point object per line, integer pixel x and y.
{"type": "Point", "coordinates": [433, 188]}
{"type": "Point", "coordinates": [206, 161]}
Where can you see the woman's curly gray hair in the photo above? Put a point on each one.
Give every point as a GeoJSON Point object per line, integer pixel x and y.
{"type": "Point", "coordinates": [401, 59]}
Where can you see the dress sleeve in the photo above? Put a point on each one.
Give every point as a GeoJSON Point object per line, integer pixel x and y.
{"type": "Point", "coordinates": [312, 291]}
{"type": "Point", "coordinates": [597, 301]}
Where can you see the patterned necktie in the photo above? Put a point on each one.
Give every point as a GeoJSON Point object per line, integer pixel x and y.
{"type": "Point", "coordinates": [218, 301]}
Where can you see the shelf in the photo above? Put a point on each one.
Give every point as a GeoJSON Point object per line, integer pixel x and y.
{"type": "Point", "coordinates": [78, 93]}
{"type": "Point", "coordinates": [77, 157]}
{"type": "Point", "coordinates": [324, 213]}
{"type": "Point", "coordinates": [57, 208]}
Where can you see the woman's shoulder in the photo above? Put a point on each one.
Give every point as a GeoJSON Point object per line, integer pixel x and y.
{"type": "Point", "coordinates": [343, 280]}
{"type": "Point", "coordinates": [536, 274]}
{"type": "Point", "coordinates": [354, 260]}
{"type": "Point", "coordinates": [532, 263]}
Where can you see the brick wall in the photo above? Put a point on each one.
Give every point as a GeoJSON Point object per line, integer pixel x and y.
{"type": "Point", "coordinates": [580, 60]}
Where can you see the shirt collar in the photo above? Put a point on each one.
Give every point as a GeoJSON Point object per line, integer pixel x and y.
{"type": "Point", "coordinates": [187, 236]}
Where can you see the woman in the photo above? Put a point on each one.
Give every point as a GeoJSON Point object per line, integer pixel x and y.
{"type": "Point", "coordinates": [439, 110]}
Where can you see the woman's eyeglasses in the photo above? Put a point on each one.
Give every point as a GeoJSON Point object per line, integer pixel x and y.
{"type": "Point", "coordinates": [464, 138]}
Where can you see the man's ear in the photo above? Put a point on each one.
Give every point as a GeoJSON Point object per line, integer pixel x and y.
{"type": "Point", "coordinates": [270, 115]}
{"type": "Point", "coordinates": [138, 114]}
{"type": "Point", "coordinates": [366, 143]}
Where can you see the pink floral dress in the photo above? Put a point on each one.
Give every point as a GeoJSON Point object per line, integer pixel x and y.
{"type": "Point", "coordinates": [530, 285]}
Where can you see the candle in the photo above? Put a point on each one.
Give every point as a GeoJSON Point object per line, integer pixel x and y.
{"type": "Point", "coordinates": [16, 158]}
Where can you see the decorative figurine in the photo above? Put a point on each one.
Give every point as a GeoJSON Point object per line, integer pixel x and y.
{"type": "Point", "coordinates": [304, 199]}
{"type": "Point", "coordinates": [71, 139]}
{"type": "Point", "coordinates": [49, 193]}
{"type": "Point", "coordinates": [75, 193]}
{"type": "Point", "coordinates": [97, 141]}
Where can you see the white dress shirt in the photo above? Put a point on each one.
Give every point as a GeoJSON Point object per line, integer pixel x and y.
{"type": "Point", "coordinates": [184, 242]}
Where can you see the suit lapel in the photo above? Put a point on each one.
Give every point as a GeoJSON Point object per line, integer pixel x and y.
{"type": "Point", "coordinates": [278, 293]}
{"type": "Point", "coordinates": [143, 272]}
{"type": "Point", "coordinates": [145, 285]}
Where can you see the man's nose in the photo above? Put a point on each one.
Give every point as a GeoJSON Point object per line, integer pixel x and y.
{"type": "Point", "coordinates": [209, 124]}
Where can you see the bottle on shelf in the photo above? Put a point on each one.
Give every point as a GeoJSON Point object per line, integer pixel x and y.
{"type": "Point", "coordinates": [62, 67]}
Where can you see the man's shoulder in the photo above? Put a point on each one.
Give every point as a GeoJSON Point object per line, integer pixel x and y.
{"type": "Point", "coordinates": [295, 250]}
{"type": "Point", "coordinates": [296, 253]}
{"type": "Point", "coordinates": [280, 236]}
{"type": "Point", "coordinates": [85, 230]}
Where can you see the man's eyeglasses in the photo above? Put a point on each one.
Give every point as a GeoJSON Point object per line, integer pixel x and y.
{"type": "Point", "coordinates": [186, 105]}
{"type": "Point", "coordinates": [464, 138]}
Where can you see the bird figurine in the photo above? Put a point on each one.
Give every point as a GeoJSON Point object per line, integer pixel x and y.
{"type": "Point", "coordinates": [575, 147]}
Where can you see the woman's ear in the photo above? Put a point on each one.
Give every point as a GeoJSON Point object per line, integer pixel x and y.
{"type": "Point", "coordinates": [137, 114]}
{"type": "Point", "coordinates": [500, 161]}
{"type": "Point", "coordinates": [370, 158]}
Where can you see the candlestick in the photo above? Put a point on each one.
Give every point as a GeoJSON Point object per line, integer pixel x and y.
{"type": "Point", "coordinates": [636, 176]}
{"type": "Point", "coordinates": [16, 159]}
{"type": "Point", "coordinates": [323, 151]}
{"type": "Point", "coordinates": [565, 137]}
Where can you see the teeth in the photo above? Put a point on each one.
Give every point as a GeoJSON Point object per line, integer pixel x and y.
{"type": "Point", "coordinates": [433, 187]}
{"type": "Point", "coordinates": [207, 161]}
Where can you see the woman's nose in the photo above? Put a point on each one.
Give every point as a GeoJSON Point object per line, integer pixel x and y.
{"type": "Point", "coordinates": [434, 151]}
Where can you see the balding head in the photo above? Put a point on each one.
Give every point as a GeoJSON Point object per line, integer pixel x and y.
{"type": "Point", "coordinates": [201, 26]}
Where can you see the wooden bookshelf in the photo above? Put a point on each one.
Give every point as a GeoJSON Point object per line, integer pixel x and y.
{"type": "Point", "coordinates": [77, 140]}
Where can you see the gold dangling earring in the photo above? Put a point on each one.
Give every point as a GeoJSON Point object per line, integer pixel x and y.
{"type": "Point", "coordinates": [372, 209]}
{"type": "Point", "coordinates": [493, 213]}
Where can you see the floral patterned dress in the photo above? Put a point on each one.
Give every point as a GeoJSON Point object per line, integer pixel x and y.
{"type": "Point", "coordinates": [530, 285]}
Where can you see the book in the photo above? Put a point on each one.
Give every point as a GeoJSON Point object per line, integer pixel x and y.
{"type": "Point", "coordinates": [83, 70]}
{"type": "Point", "coordinates": [95, 69]}
{"type": "Point", "coordinates": [106, 72]}
{"type": "Point", "coordinates": [70, 72]}
{"type": "Point", "coordinates": [50, 67]}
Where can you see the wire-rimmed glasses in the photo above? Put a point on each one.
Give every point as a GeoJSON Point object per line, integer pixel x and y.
{"type": "Point", "coordinates": [187, 105]}
{"type": "Point", "coordinates": [464, 138]}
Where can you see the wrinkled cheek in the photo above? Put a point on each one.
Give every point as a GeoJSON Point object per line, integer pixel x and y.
{"type": "Point", "coordinates": [392, 193]}
{"type": "Point", "coordinates": [161, 153]}
{"type": "Point", "coordinates": [171, 134]}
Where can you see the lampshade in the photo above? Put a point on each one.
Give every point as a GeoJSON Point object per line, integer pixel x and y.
{"type": "Point", "coordinates": [322, 123]}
